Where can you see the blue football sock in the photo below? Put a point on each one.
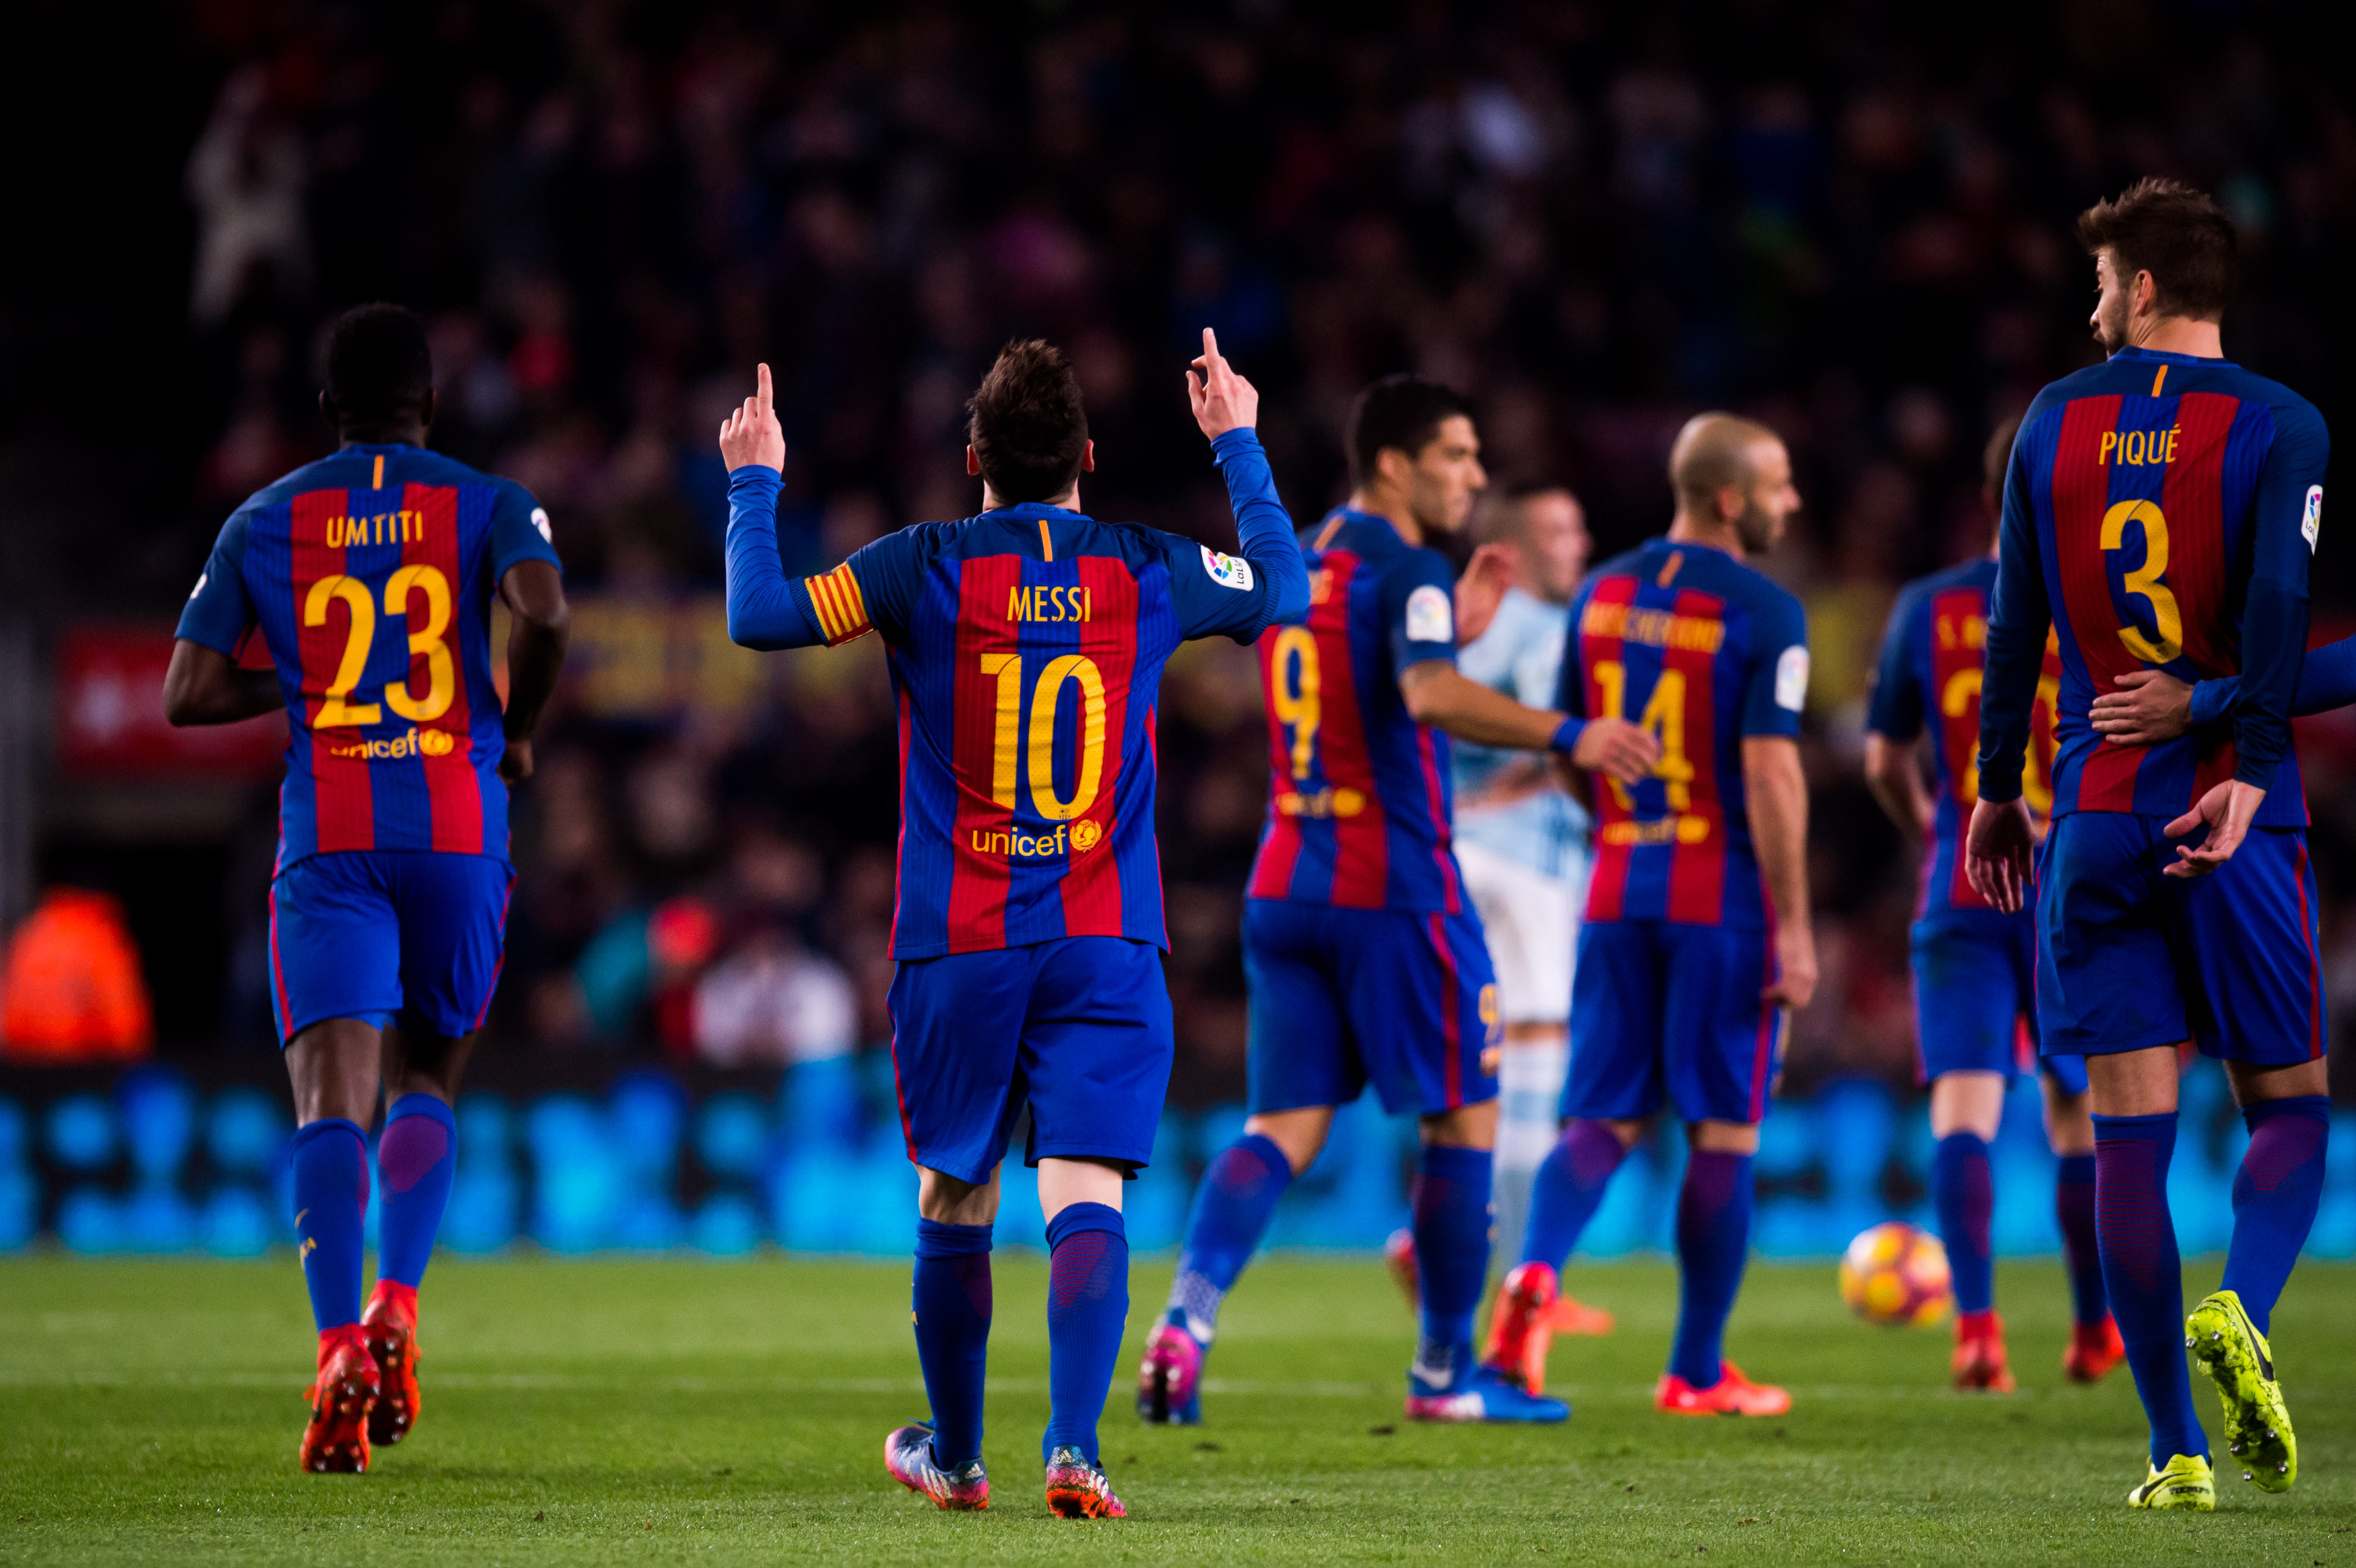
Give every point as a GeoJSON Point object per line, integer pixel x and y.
{"type": "Point", "coordinates": [416, 1158]}
{"type": "Point", "coordinates": [1231, 1211]}
{"type": "Point", "coordinates": [1450, 1223]}
{"type": "Point", "coordinates": [2073, 1208]}
{"type": "Point", "coordinates": [1964, 1195]}
{"type": "Point", "coordinates": [331, 1194]}
{"type": "Point", "coordinates": [1087, 1307]}
{"type": "Point", "coordinates": [2275, 1196]}
{"type": "Point", "coordinates": [1569, 1184]}
{"type": "Point", "coordinates": [1713, 1245]}
{"type": "Point", "coordinates": [2143, 1274]}
{"type": "Point", "coordinates": [951, 1307]}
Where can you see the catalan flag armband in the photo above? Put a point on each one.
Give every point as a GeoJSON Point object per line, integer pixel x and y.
{"type": "Point", "coordinates": [839, 607]}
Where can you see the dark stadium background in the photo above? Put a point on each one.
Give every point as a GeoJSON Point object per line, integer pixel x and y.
{"type": "Point", "coordinates": [1849, 221]}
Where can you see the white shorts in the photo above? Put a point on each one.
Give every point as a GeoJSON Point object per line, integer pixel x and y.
{"type": "Point", "coordinates": [1531, 921]}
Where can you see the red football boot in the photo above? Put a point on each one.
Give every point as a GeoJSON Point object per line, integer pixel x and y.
{"type": "Point", "coordinates": [1078, 1489]}
{"type": "Point", "coordinates": [1979, 1362]}
{"type": "Point", "coordinates": [1521, 1325]}
{"type": "Point", "coordinates": [337, 1440]}
{"type": "Point", "coordinates": [391, 1324]}
{"type": "Point", "coordinates": [1732, 1394]}
{"type": "Point", "coordinates": [2096, 1350]}
{"type": "Point", "coordinates": [1399, 1260]}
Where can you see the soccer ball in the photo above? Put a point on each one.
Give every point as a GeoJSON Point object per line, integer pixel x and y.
{"type": "Point", "coordinates": [1896, 1273]}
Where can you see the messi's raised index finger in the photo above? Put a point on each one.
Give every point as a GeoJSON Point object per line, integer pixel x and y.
{"type": "Point", "coordinates": [1211, 350]}
{"type": "Point", "coordinates": [766, 398]}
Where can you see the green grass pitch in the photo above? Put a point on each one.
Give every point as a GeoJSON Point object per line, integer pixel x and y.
{"type": "Point", "coordinates": [667, 1410]}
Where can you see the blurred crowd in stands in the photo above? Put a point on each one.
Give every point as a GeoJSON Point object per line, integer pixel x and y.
{"type": "Point", "coordinates": [1850, 221]}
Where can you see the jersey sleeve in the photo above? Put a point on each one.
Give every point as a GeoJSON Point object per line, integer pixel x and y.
{"type": "Point", "coordinates": [2326, 681]}
{"type": "Point", "coordinates": [1896, 709]}
{"type": "Point", "coordinates": [1570, 683]}
{"type": "Point", "coordinates": [519, 530]}
{"type": "Point", "coordinates": [1418, 607]}
{"type": "Point", "coordinates": [873, 591]}
{"type": "Point", "coordinates": [2285, 516]}
{"type": "Point", "coordinates": [219, 614]}
{"type": "Point", "coordinates": [1775, 689]}
{"type": "Point", "coordinates": [2019, 615]}
{"type": "Point", "coordinates": [1242, 595]}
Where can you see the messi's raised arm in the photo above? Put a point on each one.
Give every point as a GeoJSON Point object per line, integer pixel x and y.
{"type": "Point", "coordinates": [763, 610]}
{"type": "Point", "coordinates": [1227, 407]}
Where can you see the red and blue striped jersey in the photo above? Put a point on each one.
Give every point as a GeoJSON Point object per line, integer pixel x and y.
{"type": "Point", "coordinates": [1932, 662]}
{"type": "Point", "coordinates": [1359, 806]}
{"type": "Point", "coordinates": [2158, 513]}
{"type": "Point", "coordinates": [1704, 652]}
{"type": "Point", "coordinates": [1026, 646]}
{"type": "Point", "coordinates": [371, 574]}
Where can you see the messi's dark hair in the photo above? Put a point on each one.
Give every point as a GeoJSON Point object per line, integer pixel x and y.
{"type": "Point", "coordinates": [2179, 235]}
{"type": "Point", "coordinates": [379, 369]}
{"type": "Point", "coordinates": [1027, 424]}
{"type": "Point", "coordinates": [1402, 411]}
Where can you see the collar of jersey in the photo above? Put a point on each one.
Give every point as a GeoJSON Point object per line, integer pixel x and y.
{"type": "Point", "coordinates": [1372, 520]}
{"type": "Point", "coordinates": [2166, 357]}
{"type": "Point", "coordinates": [1026, 510]}
{"type": "Point", "coordinates": [1666, 542]}
{"type": "Point", "coordinates": [373, 447]}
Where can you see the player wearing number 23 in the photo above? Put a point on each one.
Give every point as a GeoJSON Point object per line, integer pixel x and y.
{"type": "Point", "coordinates": [370, 575]}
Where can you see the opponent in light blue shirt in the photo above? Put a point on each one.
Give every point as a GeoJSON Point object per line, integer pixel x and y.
{"type": "Point", "coordinates": [1521, 838]}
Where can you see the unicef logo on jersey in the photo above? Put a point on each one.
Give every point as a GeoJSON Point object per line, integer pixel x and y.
{"type": "Point", "coordinates": [1075, 838]}
{"type": "Point", "coordinates": [415, 743]}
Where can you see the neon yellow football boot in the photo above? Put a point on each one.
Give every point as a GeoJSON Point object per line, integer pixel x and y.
{"type": "Point", "coordinates": [2229, 1347]}
{"type": "Point", "coordinates": [2185, 1484]}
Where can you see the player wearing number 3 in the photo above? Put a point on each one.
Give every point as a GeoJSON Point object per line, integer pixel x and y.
{"type": "Point", "coordinates": [1026, 647]}
{"type": "Point", "coordinates": [2158, 513]}
{"type": "Point", "coordinates": [371, 573]}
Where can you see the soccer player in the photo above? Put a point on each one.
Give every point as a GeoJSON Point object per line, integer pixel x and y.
{"type": "Point", "coordinates": [1974, 965]}
{"type": "Point", "coordinates": [1364, 958]}
{"type": "Point", "coordinates": [371, 574]}
{"type": "Point", "coordinates": [1697, 934]}
{"type": "Point", "coordinates": [2158, 513]}
{"type": "Point", "coordinates": [1522, 843]}
{"type": "Point", "coordinates": [1026, 647]}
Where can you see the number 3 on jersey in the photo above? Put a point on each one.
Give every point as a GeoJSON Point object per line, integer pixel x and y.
{"type": "Point", "coordinates": [427, 635]}
{"type": "Point", "coordinates": [1664, 715]}
{"type": "Point", "coordinates": [2145, 582]}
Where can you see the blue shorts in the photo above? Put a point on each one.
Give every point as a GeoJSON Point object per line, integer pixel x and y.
{"type": "Point", "coordinates": [1342, 997]}
{"type": "Point", "coordinates": [377, 934]}
{"type": "Point", "coordinates": [2128, 959]}
{"type": "Point", "coordinates": [1663, 1011]}
{"type": "Point", "coordinates": [1078, 1028]}
{"type": "Point", "coordinates": [1976, 998]}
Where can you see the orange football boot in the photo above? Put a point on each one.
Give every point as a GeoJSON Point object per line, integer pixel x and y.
{"type": "Point", "coordinates": [337, 1440]}
{"type": "Point", "coordinates": [1979, 1360]}
{"type": "Point", "coordinates": [1732, 1394]}
{"type": "Point", "coordinates": [1573, 1316]}
{"type": "Point", "coordinates": [2096, 1350]}
{"type": "Point", "coordinates": [391, 1324]}
{"type": "Point", "coordinates": [1521, 1325]}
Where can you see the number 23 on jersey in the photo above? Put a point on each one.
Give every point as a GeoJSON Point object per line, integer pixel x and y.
{"type": "Point", "coordinates": [428, 627]}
